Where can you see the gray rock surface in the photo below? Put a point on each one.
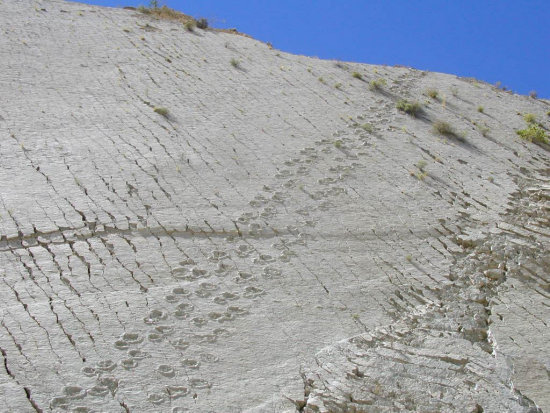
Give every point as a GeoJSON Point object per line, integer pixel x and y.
{"type": "Point", "coordinates": [273, 243]}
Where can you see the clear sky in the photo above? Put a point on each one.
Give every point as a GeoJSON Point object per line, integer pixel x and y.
{"type": "Point", "coordinates": [491, 40]}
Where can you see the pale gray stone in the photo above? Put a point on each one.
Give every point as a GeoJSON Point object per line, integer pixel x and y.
{"type": "Point", "coordinates": [274, 243]}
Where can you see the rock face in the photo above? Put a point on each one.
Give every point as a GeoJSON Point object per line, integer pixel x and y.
{"type": "Point", "coordinates": [280, 238]}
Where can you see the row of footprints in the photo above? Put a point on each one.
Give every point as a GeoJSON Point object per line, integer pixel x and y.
{"type": "Point", "coordinates": [212, 292]}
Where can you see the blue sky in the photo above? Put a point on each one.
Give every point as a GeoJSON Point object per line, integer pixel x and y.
{"type": "Point", "coordinates": [492, 40]}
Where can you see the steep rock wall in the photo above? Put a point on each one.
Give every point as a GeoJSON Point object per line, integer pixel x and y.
{"type": "Point", "coordinates": [283, 239]}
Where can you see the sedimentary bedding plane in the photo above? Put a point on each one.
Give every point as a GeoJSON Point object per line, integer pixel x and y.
{"type": "Point", "coordinates": [191, 220]}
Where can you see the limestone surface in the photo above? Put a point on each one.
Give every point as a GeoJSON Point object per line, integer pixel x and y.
{"type": "Point", "coordinates": [194, 221]}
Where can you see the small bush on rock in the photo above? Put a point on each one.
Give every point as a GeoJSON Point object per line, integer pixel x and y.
{"type": "Point", "coordinates": [161, 111]}
{"type": "Point", "coordinates": [411, 108]}
{"type": "Point", "coordinates": [529, 118]}
{"type": "Point", "coordinates": [190, 25]}
{"type": "Point", "coordinates": [444, 128]}
{"type": "Point", "coordinates": [533, 133]}
{"type": "Point", "coordinates": [433, 93]}
{"type": "Point", "coordinates": [377, 84]}
{"type": "Point", "coordinates": [234, 62]}
{"type": "Point", "coordinates": [202, 23]}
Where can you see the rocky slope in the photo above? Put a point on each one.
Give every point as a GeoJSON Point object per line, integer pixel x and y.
{"type": "Point", "coordinates": [283, 238]}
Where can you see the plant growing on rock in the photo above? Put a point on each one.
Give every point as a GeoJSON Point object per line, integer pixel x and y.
{"type": "Point", "coordinates": [421, 172]}
{"type": "Point", "coordinates": [529, 118]}
{"type": "Point", "coordinates": [433, 93]}
{"type": "Point", "coordinates": [202, 23]}
{"type": "Point", "coordinates": [234, 62]}
{"type": "Point", "coordinates": [165, 13]}
{"type": "Point", "coordinates": [190, 25]}
{"type": "Point", "coordinates": [443, 128]}
{"type": "Point", "coordinates": [483, 129]}
{"type": "Point", "coordinates": [161, 111]}
{"type": "Point", "coordinates": [367, 127]}
{"type": "Point", "coordinates": [377, 84]}
{"type": "Point", "coordinates": [421, 164]}
{"type": "Point", "coordinates": [357, 75]}
{"type": "Point", "coordinates": [533, 133]}
{"type": "Point", "coordinates": [421, 175]}
{"type": "Point", "coordinates": [411, 108]}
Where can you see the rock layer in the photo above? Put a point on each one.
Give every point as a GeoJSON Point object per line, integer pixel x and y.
{"type": "Point", "coordinates": [282, 239]}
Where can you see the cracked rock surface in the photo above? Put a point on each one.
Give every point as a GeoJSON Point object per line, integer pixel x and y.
{"type": "Point", "coordinates": [283, 239]}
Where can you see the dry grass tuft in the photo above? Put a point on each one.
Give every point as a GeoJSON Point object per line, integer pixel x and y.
{"type": "Point", "coordinates": [190, 25]}
{"type": "Point", "coordinates": [443, 128]}
{"type": "Point", "coordinates": [377, 85]}
{"type": "Point", "coordinates": [433, 93]}
{"type": "Point", "coordinates": [166, 13]}
{"type": "Point", "coordinates": [529, 118]}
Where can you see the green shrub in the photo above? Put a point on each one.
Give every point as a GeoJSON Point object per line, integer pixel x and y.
{"type": "Point", "coordinates": [433, 93]}
{"type": "Point", "coordinates": [480, 109]}
{"type": "Point", "coordinates": [444, 128]}
{"type": "Point", "coordinates": [338, 144]}
{"type": "Point", "coordinates": [377, 84]}
{"type": "Point", "coordinates": [202, 23]}
{"type": "Point", "coordinates": [533, 133]}
{"type": "Point", "coordinates": [234, 62]}
{"type": "Point", "coordinates": [357, 75]}
{"type": "Point", "coordinates": [367, 127]}
{"type": "Point", "coordinates": [411, 108]}
{"type": "Point", "coordinates": [161, 111]}
{"type": "Point", "coordinates": [421, 165]}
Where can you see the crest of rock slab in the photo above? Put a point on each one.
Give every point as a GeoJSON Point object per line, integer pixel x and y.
{"type": "Point", "coordinates": [194, 221]}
